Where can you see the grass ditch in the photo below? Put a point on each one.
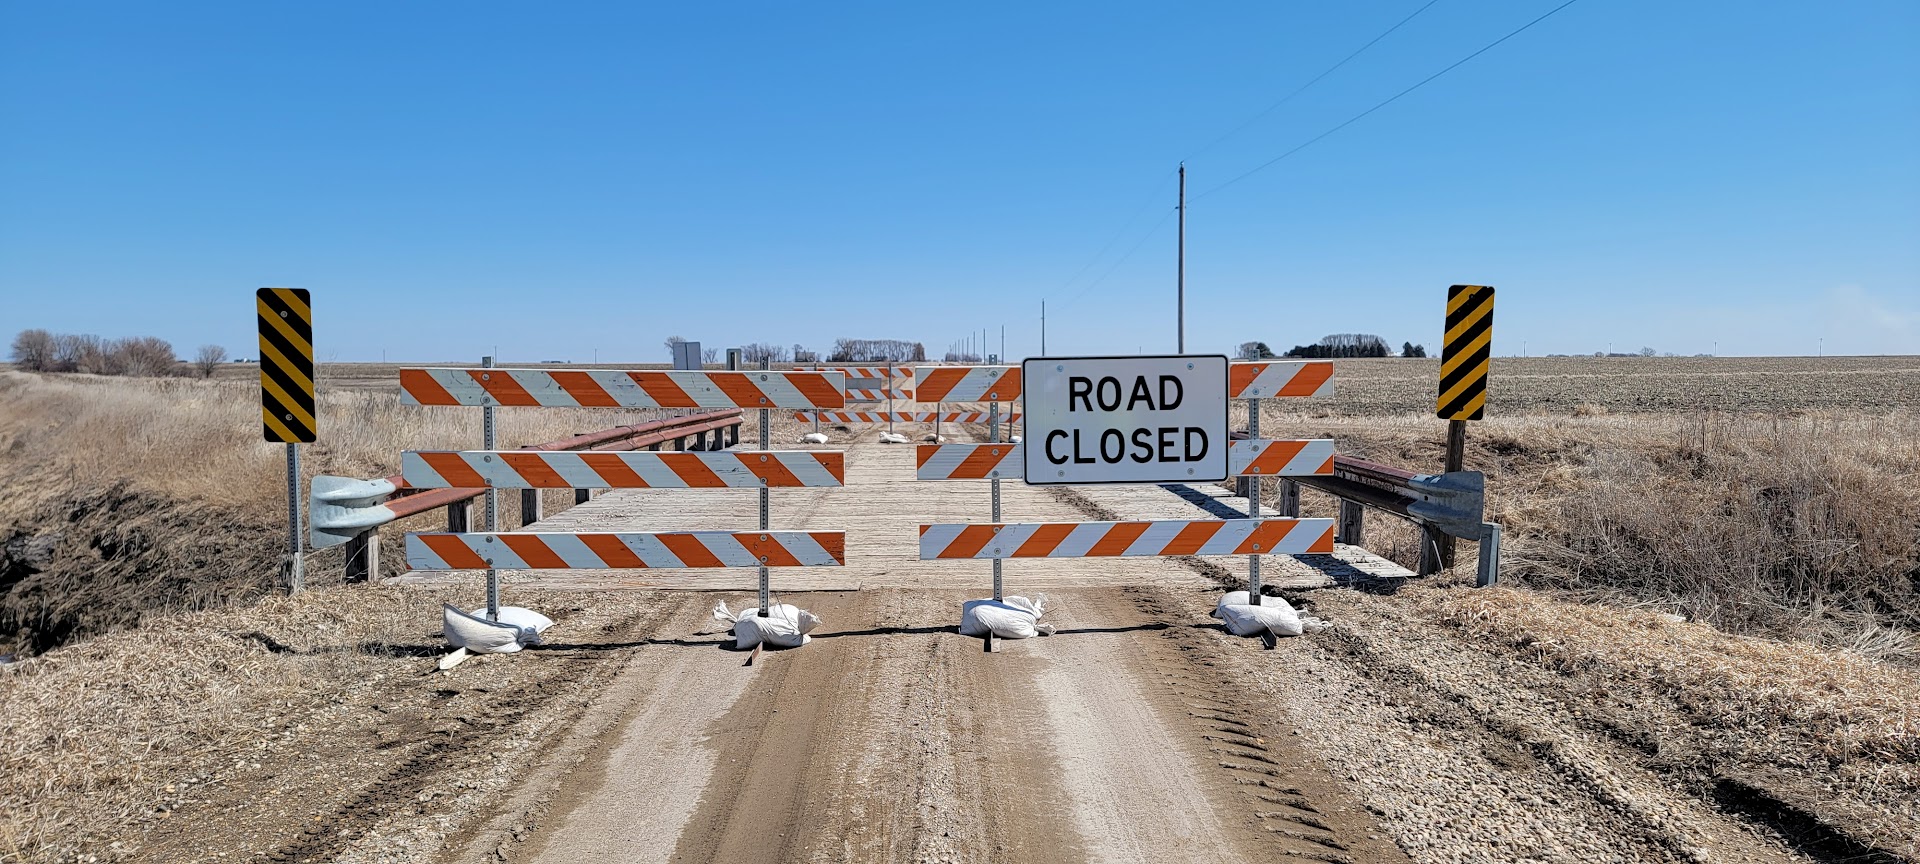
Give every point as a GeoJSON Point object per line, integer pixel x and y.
{"type": "Point", "coordinates": [1801, 526]}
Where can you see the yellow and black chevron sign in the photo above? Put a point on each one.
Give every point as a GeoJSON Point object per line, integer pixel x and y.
{"type": "Point", "coordinates": [1469, 347]}
{"type": "Point", "coordinates": [286, 364]}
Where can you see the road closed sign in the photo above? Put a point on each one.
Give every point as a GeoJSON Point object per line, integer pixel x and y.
{"type": "Point", "coordinates": [1125, 419]}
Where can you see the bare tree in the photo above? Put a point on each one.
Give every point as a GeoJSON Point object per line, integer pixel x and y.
{"type": "Point", "coordinates": [78, 352]}
{"type": "Point", "coordinates": [33, 350]}
{"type": "Point", "coordinates": [759, 351]}
{"type": "Point", "coordinates": [142, 356]}
{"type": "Point", "coordinates": [709, 355]}
{"type": "Point", "coordinates": [672, 342]}
{"type": "Point", "coordinates": [208, 359]}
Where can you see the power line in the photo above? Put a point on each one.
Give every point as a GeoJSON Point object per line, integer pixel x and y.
{"type": "Point", "coordinates": [1388, 101]}
{"type": "Point", "coordinates": [1122, 259]}
{"type": "Point", "coordinates": [1316, 79]}
{"type": "Point", "coordinates": [1117, 234]}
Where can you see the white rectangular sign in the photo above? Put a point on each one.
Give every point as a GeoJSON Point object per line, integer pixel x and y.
{"type": "Point", "coordinates": [1125, 419]}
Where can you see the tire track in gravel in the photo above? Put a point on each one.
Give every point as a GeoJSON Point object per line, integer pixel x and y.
{"type": "Point", "coordinates": [887, 740]}
{"type": "Point", "coordinates": [450, 745]}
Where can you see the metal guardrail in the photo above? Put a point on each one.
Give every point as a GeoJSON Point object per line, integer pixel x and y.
{"type": "Point", "coordinates": [707, 430]}
{"type": "Point", "coordinates": [1451, 504]}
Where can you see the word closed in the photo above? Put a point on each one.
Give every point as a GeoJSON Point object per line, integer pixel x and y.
{"type": "Point", "coordinates": [1125, 419]}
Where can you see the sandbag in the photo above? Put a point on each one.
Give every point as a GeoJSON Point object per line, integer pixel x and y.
{"type": "Point", "coordinates": [813, 438]}
{"type": "Point", "coordinates": [786, 626]}
{"type": "Point", "coordinates": [517, 626]}
{"type": "Point", "coordinates": [1007, 618]}
{"type": "Point", "coordinates": [893, 438]}
{"type": "Point", "coordinates": [1273, 615]}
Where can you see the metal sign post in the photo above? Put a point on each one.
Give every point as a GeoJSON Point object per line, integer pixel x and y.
{"type": "Point", "coordinates": [766, 502]}
{"type": "Point", "coordinates": [1253, 506]}
{"type": "Point", "coordinates": [287, 404]}
{"type": "Point", "coordinates": [1466, 356]}
{"type": "Point", "coordinates": [993, 437]}
{"type": "Point", "coordinates": [493, 501]}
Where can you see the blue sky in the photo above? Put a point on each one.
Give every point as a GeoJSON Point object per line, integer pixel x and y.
{"type": "Point", "coordinates": [553, 181]}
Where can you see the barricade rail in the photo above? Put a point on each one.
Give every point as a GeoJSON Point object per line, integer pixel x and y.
{"type": "Point", "coordinates": [704, 431]}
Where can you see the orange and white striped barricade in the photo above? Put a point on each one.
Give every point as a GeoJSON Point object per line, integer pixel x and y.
{"type": "Point", "coordinates": [1164, 538]}
{"type": "Point", "coordinates": [625, 550]}
{"type": "Point", "coordinates": [990, 384]}
{"type": "Point", "coordinates": [638, 469]}
{"type": "Point", "coordinates": [1246, 458]}
{"type": "Point", "coordinates": [492, 469]}
{"type": "Point", "coordinates": [1274, 379]}
{"type": "Point", "coordinates": [872, 384]}
{"type": "Point", "coordinates": [848, 418]}
{"type": "Point", "coordinates": [597, 388]}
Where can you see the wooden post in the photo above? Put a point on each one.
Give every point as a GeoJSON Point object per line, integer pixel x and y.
{"type": "Point", "coordinates": [529, 507]}
{"type": "Point", "coordinates": [1289, 498]}
{"type": "Point", "coordinates": [460, 516]}
{"type": "Point", "coordinates": [363, 556]}
{"type": "Point", "coordinates": [1456, 458]}
{"type": "Point", "coordinates": [1353, 526]}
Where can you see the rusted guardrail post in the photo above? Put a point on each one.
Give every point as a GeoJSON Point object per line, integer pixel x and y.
{"type": "Point", "coordinates": [1287, 498]}
{"type": "Point", "coordinates": [1352, 529]}
{"type": "Point", "coordinates": [530, 507]}
{"type": "Point", "coordinates": [460, 516]}
{"type": "Point", "coordinates": [363, 556]}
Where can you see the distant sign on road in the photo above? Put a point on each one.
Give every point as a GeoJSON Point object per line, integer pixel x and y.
{"type": "Point", "coordinates": [1125, 419]}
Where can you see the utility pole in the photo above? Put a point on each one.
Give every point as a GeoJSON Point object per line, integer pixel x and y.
{"type": "Point", "coordinates": [1043, 328]}
{"type": "Point", "coordinates": [1181, 280]}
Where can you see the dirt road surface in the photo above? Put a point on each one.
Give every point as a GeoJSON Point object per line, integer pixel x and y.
{"type": "Point", "coordinates": [1140, 731]}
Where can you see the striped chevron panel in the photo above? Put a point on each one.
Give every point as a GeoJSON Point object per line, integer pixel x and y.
{"type": "Point", "coordinates": [899, 416]}
{"type": "Point", "coordinates": [537, 550]}
{"type": "Point", "coordinates": [967, 383]}
{"type": "Point", "coordinates": [968, 462]}
{"type": "Point", "coordinates": [857, 395]}
{"type": "Point", "coordinates": [1261, 457]}
{"type": "Point", "coordinates": [971, 416]}
{"type": "Point", "coordinates": [850, 417]}
{"type": "Point", "coordinates": [1127, 539]}
{"type": "Point", "coordinates": [858, 373]}
{"type": "Point", "coordinates": [1279, 379]}
{"type": "Point", "coordinates": [603, 388]}
{"type": "Point", "coordinates": [532, 469]}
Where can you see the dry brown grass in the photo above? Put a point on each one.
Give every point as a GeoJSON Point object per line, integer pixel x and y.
{"type": "Point", "coordinates": [1842, 720]}
{"type": "Point", "coordinates": [1797, 526]}
{"type": "Point", "coordinates": [161, 493]}
{"type": "Point", "coordinates": [96, 733]}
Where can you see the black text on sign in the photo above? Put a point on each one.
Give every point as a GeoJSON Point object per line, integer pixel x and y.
{"type": "Point", "coordinates": [1125, 419]}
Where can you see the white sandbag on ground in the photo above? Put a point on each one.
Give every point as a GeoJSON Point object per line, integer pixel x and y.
{"type": "Point", "coordinates": [1273, 615]}
{"type": "Point", "coordinates": [516, 627]}
{"type": "Point", "coordinates": [1008, 618]}
{"type": "Point", "coordinates": [813, 438]}
{"type": "Point", "coordinates": [893, 438]}
{"type": "Point", "coordinates": [786, 626]}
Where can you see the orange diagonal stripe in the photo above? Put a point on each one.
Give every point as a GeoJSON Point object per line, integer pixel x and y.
{"type": "Point", "coordinates": [534, 551]}
{"type": "Point", "coordinates": [689, 550]}
{"type": "Point", "coordinates": [1308, 380]}
{"type": "Point", "coordinates": [424, 389]}
{"type": "Point", "coordinates": [1192, 537]}
{"type": "Point", "coordinates": [457, 554]}
{"type": "Point", "coordinates": [612, 551]}
{"type": "Point", "coordinates": [585, 390]}
{"type": "Point", "coordinates": [502, 387]}
{"type": "Point", "coordinates": [534, 469]}
{"type": "Point", "coordinates": [455, 470]}
{"type": "Point", "coordinates": [1117, 539]}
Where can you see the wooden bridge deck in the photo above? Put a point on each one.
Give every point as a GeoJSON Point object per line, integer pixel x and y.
{"type": "Point", "coordinates": [881, 509]}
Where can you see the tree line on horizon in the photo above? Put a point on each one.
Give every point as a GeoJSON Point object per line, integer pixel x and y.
{"type": "Point", "coordinates": [37, 350]}
{"type": "Point", "coordinates": [1333, 346]}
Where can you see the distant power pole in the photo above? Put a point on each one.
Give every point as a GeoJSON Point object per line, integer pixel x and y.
{"type": "Point", "coordinates": [1043, 328]}
{"type": "Point", "coordinates": [1180, 344]}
